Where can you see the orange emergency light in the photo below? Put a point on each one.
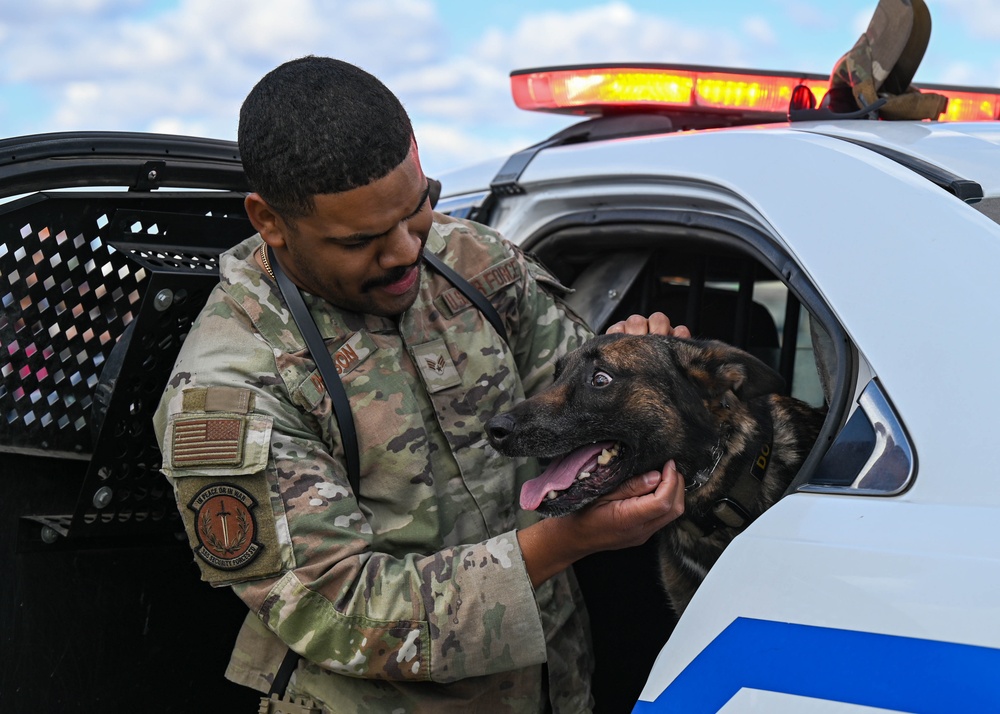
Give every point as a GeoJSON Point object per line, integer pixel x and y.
{"type": "Point", "coordinates": [607, 89]}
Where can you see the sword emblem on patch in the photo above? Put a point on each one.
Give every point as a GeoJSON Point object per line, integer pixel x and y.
{"type": "Point", "coordinates": [225, 526]}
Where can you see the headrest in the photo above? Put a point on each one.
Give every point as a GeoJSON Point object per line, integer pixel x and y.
{"type": "Point", "coordinates": [882, 63]}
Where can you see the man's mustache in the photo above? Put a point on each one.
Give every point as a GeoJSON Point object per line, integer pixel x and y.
{"type": "Point", "coordinates": [393, 276]}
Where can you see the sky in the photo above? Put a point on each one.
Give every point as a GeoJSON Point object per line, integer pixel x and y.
{"type": "Point", "coordinates": [185, 66]}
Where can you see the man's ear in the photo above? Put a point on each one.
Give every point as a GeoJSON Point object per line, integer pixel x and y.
{"type": "Point", "coordinates": [717, 368]}
{"type": "Point", "coordinates": [265, 220]}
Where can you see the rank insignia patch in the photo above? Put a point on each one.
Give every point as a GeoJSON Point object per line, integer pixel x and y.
{"type": "Point", "coordinates": [436, 365]}
{"type": "Point", "coordinates": [225, 526]}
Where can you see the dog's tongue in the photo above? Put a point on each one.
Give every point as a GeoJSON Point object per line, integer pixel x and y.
{"type": "Point", "coordinates": [560, 474]}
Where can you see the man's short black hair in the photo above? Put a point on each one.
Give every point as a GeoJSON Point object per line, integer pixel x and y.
{"type": "Point", "coordinates": [319, 125]}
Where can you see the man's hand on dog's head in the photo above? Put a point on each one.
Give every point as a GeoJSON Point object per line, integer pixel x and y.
{"type": "Point", "coordinates": [655, 324]}
{"type": "Point", "coordinates": [626, 517]}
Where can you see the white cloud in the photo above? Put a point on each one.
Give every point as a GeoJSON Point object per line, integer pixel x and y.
{"type": "Point", "coordinates": [462, 107]}
{"type": "Point", "coordinates": [976, 75]}
{"type": "Point", "coordinates": [445, 146]}
{"type": "Point", "coordinates": [759, 29]}
{"type": "Point", "coordinates": [180, 127]}
{"type": "Point", "coordinates": [18, 12]}
{"type": "Point", "coordinates": [606, 33]}
{"type": "Point", "coordinates": [193, 65]}
{"type": "Point", "coordinates": [962, 73]}
{"type": "Point", "coordinates": [981, 17]}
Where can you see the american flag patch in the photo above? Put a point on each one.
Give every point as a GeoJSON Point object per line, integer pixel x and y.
{"type": "Point", "coordinates": [207, 441]}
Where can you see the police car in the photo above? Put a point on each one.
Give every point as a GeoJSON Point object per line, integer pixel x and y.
{"type": "Point", "coordinates": [855, 256]}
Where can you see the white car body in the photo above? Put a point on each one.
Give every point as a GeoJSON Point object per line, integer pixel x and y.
{"type": "Point", "coordinates": [835, 601]}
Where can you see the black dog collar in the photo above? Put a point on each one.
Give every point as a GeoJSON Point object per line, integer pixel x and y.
{"type": "Point", "coordinates": [732, 509]}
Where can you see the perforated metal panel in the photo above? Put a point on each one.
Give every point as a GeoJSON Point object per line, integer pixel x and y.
{"type": "Point", "coordinates": [66, 298]}
{"type": "Point", "coordinates": [124, 491]}
{"type": "Point", "coordinates": [101, 291]}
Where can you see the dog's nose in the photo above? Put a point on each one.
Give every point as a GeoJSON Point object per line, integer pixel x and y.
{"type": "Point", "coordinates": [499, 428]}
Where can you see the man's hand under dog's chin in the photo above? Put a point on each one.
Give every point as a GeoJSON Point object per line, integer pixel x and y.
{"type": "Point", "coordinates": [626, 517]}
{"type": "Point", "coordinates": [655, 324]}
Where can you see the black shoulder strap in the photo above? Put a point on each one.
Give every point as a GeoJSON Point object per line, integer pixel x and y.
{"type": "Point", "coordinates": [317, 348]}
{"type": "Point", "coordinates": [338, 395]}
{"type": "Point", "coordinates": [474, 296]}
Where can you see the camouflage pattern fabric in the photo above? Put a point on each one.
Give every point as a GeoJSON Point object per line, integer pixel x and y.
{"type": "Point", "coordinates": [411, 595]}
{"type": "Point", "coordinates": [882, 64]}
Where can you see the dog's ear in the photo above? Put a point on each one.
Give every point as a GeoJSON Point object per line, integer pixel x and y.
{"type": "Point", "coordinates": [719, 368]}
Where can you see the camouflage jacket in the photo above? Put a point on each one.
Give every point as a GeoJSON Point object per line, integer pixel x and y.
{"type": "Point", "coordinates": [411, 595]}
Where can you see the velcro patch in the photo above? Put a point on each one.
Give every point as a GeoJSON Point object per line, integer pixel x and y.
{"type": "Point", "coordinates": [436, 366]}
{"type": "Point", "coordinates": [355, 350]}
{"type": "Point", "coordinates": [205, 440]}
{"type": "Point", "coordinates": [487, 282]}
{"type": "Point", "coordinates": [226, 527]}
{"type": "Point", "coordinates": [218, 399]}
{"type": "Point", "coordinates": [230, 526]}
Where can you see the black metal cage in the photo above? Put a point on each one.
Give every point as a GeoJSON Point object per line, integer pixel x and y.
{"type": "Point", "coordinates": [101, 289]}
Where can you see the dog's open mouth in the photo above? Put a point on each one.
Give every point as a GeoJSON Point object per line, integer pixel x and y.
{"type": "Point", "coordinates": [588, 468]}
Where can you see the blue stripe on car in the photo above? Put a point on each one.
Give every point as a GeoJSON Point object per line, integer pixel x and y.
{"type": "Point", "coordinates": [899, 673]}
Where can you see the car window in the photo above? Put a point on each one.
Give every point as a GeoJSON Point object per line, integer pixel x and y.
{"type": "Point", "coordinates": [718, 294]}
{"type": "Point", "coordinates": [871, 455]}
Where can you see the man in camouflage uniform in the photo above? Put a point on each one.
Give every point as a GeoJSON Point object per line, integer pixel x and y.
{"type": "Point", "coordinates": [426, 590]}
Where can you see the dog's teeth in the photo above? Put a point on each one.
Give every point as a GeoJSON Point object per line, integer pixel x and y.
{"type": "Point", "coordinates": [582, 475]}
{"type": "Point", "coordinates": [551, 494]}
{"type": "Point", "coordinates": [604, 458]}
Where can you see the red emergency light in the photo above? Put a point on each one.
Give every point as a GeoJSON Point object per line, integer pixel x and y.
{"type": "Point", "coordinates": [601, 90]}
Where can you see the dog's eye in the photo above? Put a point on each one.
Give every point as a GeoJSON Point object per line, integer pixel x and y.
{"type": "Point", "coordinates": [601, 379]}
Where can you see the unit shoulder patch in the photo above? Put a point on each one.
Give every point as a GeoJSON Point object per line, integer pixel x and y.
{"type": "Point", "coordinates": [225, 526]}
{"type": "Point", "coordinates": [230, 527]}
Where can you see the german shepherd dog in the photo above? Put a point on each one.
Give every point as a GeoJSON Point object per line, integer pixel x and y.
{"type": "Point", "coordinates": [624, 405]}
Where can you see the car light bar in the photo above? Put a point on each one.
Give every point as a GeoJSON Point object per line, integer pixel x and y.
{"type": "Point", "coordinates": [968, 106]}
{"type": "Point", "coordinates": [600, 90]}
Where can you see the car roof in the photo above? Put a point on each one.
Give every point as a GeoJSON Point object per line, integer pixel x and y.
{"type": "Point", "coordinates": [967, 149]}
{"type": "Point", "coordinates": [970, 150]}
